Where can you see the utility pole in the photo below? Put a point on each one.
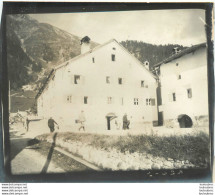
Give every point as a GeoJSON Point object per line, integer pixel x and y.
{"type": "Point", "coordinates": [9, 97]}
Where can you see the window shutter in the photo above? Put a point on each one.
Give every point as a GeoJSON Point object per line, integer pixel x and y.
{"type": "Point", "coordinates": [90, 99]}
{"type": "Point", "coordinates": [170, 97]}
{"type": "Point", "coordinates": [152, 101]}
{"type": "Point", "coordinates": [112, 100]}
{"type": "Point", "coordinates": [146, 84]}
{"type": "Point", "coordinates": [82, 80]}
{"type": "Point", "coordinates": [74, 99]}
{"type": "Point", "coordinates": [122, 101]}
{"type": "Point", "coordinates": [111, 80]}
{"type": "Point", "coordinates": [72, 79]}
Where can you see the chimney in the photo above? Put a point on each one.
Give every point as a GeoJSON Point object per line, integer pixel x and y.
{"type": "Point", "coordinates": [176, 50]}
{"type": "Point", "coordinates": [146, 64]}
{"type": "Point", "coordinates": [85, 44]}
{"type": "Point", "coordinates": [137, 53]}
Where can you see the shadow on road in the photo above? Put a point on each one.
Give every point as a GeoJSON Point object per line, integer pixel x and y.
{"type": "Point", "coordinates": [17, 144]}
{"type": "Point", "coordinates": [48, 160]}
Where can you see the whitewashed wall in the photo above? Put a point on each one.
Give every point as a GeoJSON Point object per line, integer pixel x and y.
{"type": "Point", "coordinates": [94, 86]}
{"type": "Point", "coordinates": [193, 70]}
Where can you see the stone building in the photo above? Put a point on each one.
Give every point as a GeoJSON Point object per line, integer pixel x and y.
{"type": "Point", "coordinates": [183, 92]}
{"type": "Point", "coordinates": [105, 82]}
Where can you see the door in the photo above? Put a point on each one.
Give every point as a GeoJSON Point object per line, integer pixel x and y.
{"type": "Point", "coordinates": [160, 118]}
{"type": "Point", "coordinates": [108, 122]}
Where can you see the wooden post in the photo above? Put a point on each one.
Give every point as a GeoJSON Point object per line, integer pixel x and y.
{"type": "Point", "coordinates": [9, 97]}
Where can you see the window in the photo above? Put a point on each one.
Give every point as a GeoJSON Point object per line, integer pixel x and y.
{"type": "Point", "coordinates": [122, 101]}
{"type": "Point", "coordinates": [176, 64]}
{"type": "Point", "coordinates": [189, 93]}
{"type": "Point", "coordinates": [109, 100]}
{"type": "Point", "coordinates": [77, 79]}
{"type": "Point", "coordinates": [142, 83]}
{"type": "Point", "coordinates": [113, 57]}
{"type": "Point", "coordinates": [120, 81]}
{"type": "Point", "coordinates": [93, 60]}
{"type": "Point", "coordinates": [173, 97]}
{"type": "Point", "coordinates": [152, 101]}
{"type": "Point", "coordinates": [135, 101]}
{"type": "Point", "coordinates": [179, 77]}
{"type": "Point", "coordinates": [108, 80]}
{"type": "Point", "coordinates": [148, 101]}
{"type": "Point", "coordinates": [69, 99]}
{"type": "Point", "coordinates": [114, 48]}
{"type": "Point", "coordinates": [85, 100]}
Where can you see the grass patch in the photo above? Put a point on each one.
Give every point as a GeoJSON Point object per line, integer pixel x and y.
{"type": "Point", "coordinates": [22, 100]}
{"type": "Point", "coordinates": [192, 148]}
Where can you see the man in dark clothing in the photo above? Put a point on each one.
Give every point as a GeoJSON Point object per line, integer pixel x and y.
{"type": "Point", "coordinates": [126, 122]}
{"type": "Point", "coordinates": [27, 123]}
{"type": "Point", "coordinates": [51, 124]}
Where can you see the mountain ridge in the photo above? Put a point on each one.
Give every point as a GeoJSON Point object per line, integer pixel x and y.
{"type": "Point", "coordinates": [40, 45]}
{"type": "Point", "coordinates": [34, 48]}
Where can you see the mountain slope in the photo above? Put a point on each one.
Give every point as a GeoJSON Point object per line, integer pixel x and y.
{"type": "Point", "coordinates": [34, 48]}
{"type": "Point", "coordinates": [21, 68]}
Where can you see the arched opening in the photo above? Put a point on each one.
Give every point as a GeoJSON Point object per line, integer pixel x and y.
{"type": "Point", "coordinates": [110, 117]}
{"type": "Point", "coordinates": [185, 121]}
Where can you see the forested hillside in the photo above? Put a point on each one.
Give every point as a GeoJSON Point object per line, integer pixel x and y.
{"type": "Point", "coordinates": [149, 52]}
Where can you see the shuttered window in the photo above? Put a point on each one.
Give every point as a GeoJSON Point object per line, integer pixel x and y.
{"type": "Point", "coordinates": [113, 57]}
{"type": "Point", "coordinates": [85, 100]}
{"type": "Point", "coordinates": [189, 93]}
{"type": "Point", "coordinates": [69, 99]}
{"type": "Point", "coordinates": [136, 101]}
{"type": "Point", "coordinates": [110, 100]}
{"type": "Point", "coordinates": [152, 101]}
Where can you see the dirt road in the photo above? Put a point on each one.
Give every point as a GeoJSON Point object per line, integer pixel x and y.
{"type": "Point", "coordinates": [30, 157]}
{"type": "Point", "coordinates": [26, 160]}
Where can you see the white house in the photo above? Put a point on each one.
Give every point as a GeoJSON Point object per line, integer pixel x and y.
{"type": "Point", "coordinates": [184, 88]}
{"type": "Point", "coordinates": [105, 82]}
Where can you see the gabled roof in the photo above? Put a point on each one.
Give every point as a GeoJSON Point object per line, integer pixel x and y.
{"type": "Point", "coordinates": [180, 54]}
{"type": "Point", "coordinates": [82, 55]}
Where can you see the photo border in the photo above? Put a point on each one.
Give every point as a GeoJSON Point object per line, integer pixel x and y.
{"type": "Point", "coordinates": [194, 175]}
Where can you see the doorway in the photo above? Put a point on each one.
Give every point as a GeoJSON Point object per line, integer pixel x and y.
{"type": "Point", "coordinates": [108, 122]}
{"type": "Point", "coordinates": [185, 121]}
{"type": "Point", "coordinates": [160, 118]}
{"type": "Point", "coordinates": [110, 117]}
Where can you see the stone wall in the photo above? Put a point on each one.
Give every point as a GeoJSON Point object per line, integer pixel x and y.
{"type": "Point", "coordinates": [201, 121]}
{"type": "Point", "coordinates": [198, 121]}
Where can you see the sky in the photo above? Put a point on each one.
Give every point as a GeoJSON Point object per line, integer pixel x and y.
{"type": "Point", "coordinates": [184, 27]}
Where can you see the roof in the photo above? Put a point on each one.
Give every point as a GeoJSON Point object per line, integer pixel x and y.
{"type": "Point", "coordinates": [45, 83]}
{"type": "Point", "coordinates": [82, 55]}
{"type": "Point", "coordinates": [180, 54]}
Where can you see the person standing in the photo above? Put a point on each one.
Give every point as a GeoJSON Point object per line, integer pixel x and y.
{"type": "Point", "coordinates": [126, 122]}
{"type": "Point", "coordinates": [82, 120]}
{"type": "Point", "coordinates": [51, 124]}
{"type": "Point", "coordinates": [27, 123]}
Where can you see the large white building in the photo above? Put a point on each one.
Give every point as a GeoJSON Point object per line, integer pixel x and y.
{"type": "Point", "coordinates": [184, 88]}
{"type": "Point", "coordinates": [105, 82]}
